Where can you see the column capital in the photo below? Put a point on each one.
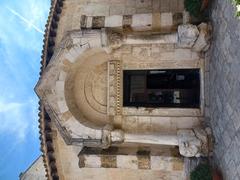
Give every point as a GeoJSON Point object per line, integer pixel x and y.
{"type": "Point", "coordinates": [193, 142]}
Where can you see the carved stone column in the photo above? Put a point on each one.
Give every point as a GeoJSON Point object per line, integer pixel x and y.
{"type": "Point", "coordinates": [191, 142]}
{"type": "Point", "coordinates": [157, 139]}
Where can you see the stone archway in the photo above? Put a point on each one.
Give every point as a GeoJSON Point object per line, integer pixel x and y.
{"type": "Point", "coordinates": [86, 89]}
{"type": "Point", "coordinates": [83, 84]}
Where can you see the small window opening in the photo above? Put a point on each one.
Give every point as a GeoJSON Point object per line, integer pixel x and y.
{"type": "Point", "coordinates": [162, 88]}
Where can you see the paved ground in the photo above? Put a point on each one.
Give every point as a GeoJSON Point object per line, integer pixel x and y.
{"type": "Point", "coordinates": [224, 88]}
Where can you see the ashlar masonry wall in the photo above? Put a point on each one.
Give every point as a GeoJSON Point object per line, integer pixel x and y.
{"type": "Point", "coordinates": [133, 51]}
{"type": "Point", "coordinates": [73, 10]}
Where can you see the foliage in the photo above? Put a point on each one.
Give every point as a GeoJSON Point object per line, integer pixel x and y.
{"type": "Point", "coordinates": [237, 4]}
{"type": "Point", "coordinates": [201, 172]}
{"type": "Point", "coordinates": [193, 7]}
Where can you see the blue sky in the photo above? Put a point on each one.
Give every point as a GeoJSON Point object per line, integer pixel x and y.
{"type": "Point", "coordinates": [21, 32]}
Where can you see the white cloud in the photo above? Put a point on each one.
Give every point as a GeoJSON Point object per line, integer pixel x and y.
{"type": "Point", "coordinates": [22, 24]}
{"type": "Point", "coordinates": [20, 51]}
{"type": "Point", "coordinates": [21, 44]}
{"type": "Point", "coordinates": [18, 119]}
{"type": "Point", "coordinates": [29, 23]}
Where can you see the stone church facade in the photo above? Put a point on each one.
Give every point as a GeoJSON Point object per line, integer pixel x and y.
{"type": "Point", "coordinates": [122, 90]}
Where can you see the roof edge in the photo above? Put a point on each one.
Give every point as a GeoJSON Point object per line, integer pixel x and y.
{"type": "Point", "coordinates": [44, 120]}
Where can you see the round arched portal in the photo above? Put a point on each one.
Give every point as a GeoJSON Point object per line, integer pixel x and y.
{"type": "Point", "coordinates": [86, 88]}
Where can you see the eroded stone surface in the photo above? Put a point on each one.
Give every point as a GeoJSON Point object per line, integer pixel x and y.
{"type": "Point", "coordinates": [193, 142]}
{"type": "Point", "coordinates": [35, 171]}
{"type": "Point", "coordinates": [90, 87]}
{"type": "Point", "coordinates": [187, 35]}
{"type": "Point", "coordinates": [203, 41]}
{"type": "Point", "coordinates": [84, 87]}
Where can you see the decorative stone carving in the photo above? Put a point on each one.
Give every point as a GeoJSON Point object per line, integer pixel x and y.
{"type": "Point", "coordinates": [106, 136]}
{"type": "Point", "coordinates": [110, 136]}
{"type": "Point", "coordinates": [114, 85]}
{"type": "Point", "coordinates": [117, 136]}
{"type": "Point", "coordinates": [55, 88]}
{"type": "Point", "coordinates": [193, 142]}
{"type": "Point", "coordinates": [69, 43]}
{"type": "Point", "coordinates": [203, 41]}
{"type": "Point", "coordinates": [82, 88]}
{"type": "Point", "coordinates": [114, 40]}
{"type": "Point", "coordinates": [188, 143]}
{"type": "Point", "coordinates": [187, 35]}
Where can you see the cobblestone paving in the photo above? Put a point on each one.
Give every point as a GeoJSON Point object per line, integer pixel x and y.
{"type": "Point", "coordinates": [224, 88]}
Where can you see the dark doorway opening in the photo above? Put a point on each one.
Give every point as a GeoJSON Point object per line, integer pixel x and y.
{"type": "Point", "coordinates": [162, 88]}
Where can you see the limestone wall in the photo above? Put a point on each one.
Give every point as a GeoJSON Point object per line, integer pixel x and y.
{"type": "Point", "coordinates": [158, 56]}
{"type": "Point", "coordinates": [85, 84]}
{"type": "Point", "coordinates": [165, 167]}
{"type": "Point", "coordinates": [73, 10]}
{"type": "Point", "coordinates": [35, 171]}
{"type": "Point", "coordinates": [82, 85]}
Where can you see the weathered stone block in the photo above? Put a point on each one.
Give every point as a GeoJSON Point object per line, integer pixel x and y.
{"type": "Point", "coordinates": [203, 41]}
{"type": "Point", "coordinates": [98, 22]}
{"type": "Point", "coordinates": [89, 22]}
{"type": "Point", "coordinates": [114, 21]}
{"type": "Point", "coordinates": [161, 163]}
{"type": "Point", "coordinates": [166, 19]}
{"type": "Point", "coordinates": [127, 161]}
{"type": "Point", "coordinates": [92, 161]}
{"type": "Point", "coordinates": [66, 115]}
{"type": "Point", "coordinates": [177, 164]}
{"type": "Point", "coordinates": [83, 21]}
{"type": "Point", "coordinates": [187, 35]}
{"type": "Point", "coordinates": [156, 21]}
{"type": "Point", "coordinates": [108, 161]}
{"type": "Point", "coordinates": [142, 21]}
{"type": "Point", "coordinates": [144, 162]}
{"type": "Point", "coordinates": [127, 20]}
